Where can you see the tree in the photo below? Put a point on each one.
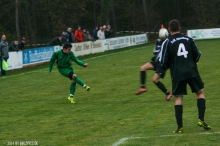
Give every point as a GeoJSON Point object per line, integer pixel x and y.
{"type": "Point", "coordinates": [17, 19]}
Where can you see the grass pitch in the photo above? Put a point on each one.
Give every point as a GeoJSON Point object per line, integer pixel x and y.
{"type": "Point", "coordinates": [34, 105]}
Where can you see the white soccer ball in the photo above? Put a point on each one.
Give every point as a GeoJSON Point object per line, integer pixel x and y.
{"type": "Point", "coordinates": [163, 33]}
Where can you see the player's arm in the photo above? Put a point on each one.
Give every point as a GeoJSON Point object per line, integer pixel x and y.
{"type": "Point", "coordinates": [77, 61]}
{"type": "Point", "coordinates": [52, 60]}
{"type": "Point", "coordinates": [163, 55]}
{"type": "Point", "coordinates": [195, 51]}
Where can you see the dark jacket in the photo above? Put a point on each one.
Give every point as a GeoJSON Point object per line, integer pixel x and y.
{"type": "Point", "coordinates": [85, 37]}
{"type": "Point", "coordinates": [107, 34]}
{"type": "Point", "coordinates": [112, 33]}
{"type": "Point", "coordinates": [94, 34]}
{"type": "Point", "coordinates": [4, 50]}
{"type": "Point", "coordinates": [12, 47]}
{"type": "Point", "coordinates": [55, 42]}
{"type": "Point", "coordinates": [21, 45]}
{"type": "Point", "coordinates": [68, 36]}
{"type": "Point", "coordinates": [64, 39]}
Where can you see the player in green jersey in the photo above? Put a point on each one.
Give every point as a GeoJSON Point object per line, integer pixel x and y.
{"type": "Point", "coordinates": [63, 57]}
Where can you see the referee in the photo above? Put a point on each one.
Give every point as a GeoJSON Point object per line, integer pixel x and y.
{"type": "Point", "coordinates": [180, 54]}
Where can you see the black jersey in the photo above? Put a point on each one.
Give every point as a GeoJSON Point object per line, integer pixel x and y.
{"type": "Point", "coordinates": [180, 54]}
{"type": "Point", "coordinates": [157, 49]}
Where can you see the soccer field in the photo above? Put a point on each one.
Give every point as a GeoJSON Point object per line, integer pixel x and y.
{"type": "Point", "coordinates": [34, 105]}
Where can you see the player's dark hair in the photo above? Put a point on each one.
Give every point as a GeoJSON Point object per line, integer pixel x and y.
{"type": "Point", "coordinates": [174, 25]}
{"type": "Point", "coordinates": [67, 45]}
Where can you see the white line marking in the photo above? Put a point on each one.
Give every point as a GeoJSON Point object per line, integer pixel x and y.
{"type": "Point", "coordinates": [93, 58]}
{"type": "Point", "coordinates": [121, 141]}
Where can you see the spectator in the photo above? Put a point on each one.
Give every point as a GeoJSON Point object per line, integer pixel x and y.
{"type": "Point", "coordinates": [89, 37]}
{"type": "Point", "coordinates": [107, 33]}
{"type": "Point", "coordinates": [111, 31]}
{"type": "Point", "coordinates": [3, 52]}
{"type": "Point", "coordinates": [79, 34]}
{"type": "Point", "coordinates": [84, 35]}
{"type": "Point", "coordinates": [94, 34]}
{"type": "Point", "coordinates": [63, 40]}
{"type": "Point", "coordinates": [13, 46]}
{"type": "Point", "coordinates": [56, 41]}
{"type": "Point", "coordinates": [69, 36]}
{"type": "Point", "coordinates": [104, 27]}
{"type": "Point", "coordinates": [101, 34]}
{"type": "Point", "coordinates": [21, 44]}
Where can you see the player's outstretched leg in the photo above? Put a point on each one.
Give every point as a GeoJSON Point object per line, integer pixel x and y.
{"type": "Point", "coordinates": [80, 82]}
{"type": "Point", "coordinates": [161, 86]}
{"type": "Point", "coordinates": [143, 80]}
{"type": "Point", "coordinates": [143, 76]}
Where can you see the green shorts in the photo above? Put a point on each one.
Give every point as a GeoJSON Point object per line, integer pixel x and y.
{"type": "Point", "coordinates": [66, 71]}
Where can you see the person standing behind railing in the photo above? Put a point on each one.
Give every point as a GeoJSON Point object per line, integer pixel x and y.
{"type": "Point", "coordinates": [101, 34]}
{"type": "Point", "coordinates": [69, 36]}
{"type": "Point", "coordinates": [94, 33]}
{"type": "Point", "coordinates": [79, 34]}
{"type": "Point", "coordinates": [4, 55]}
{"type": "Point", "coordinates": [84, 35]}
{"type": "Point", "coordinates": [13, 46]}
{"type": "Point", "coordinates": [56, 41]}
{"type": "Point", "coordinates": [21, 44]}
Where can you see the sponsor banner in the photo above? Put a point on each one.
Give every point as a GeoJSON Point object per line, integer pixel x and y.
{"type": "Point", "coordinates": [199, 34]}
{"type": "Point", "coordinates": [80, 49]}
{"type": "Point", "coordinates": [15, 60]}
{"type": "Point", "coordinates": [36, 55]}
{"type": "Point", "coordinates": [138, 39]}
{"type": "Point", "coordinates": [116, 43]}
{"type": "Point", "coordinates": [97, 46]}
{"type": "Point", "coordinates": [85, 48]}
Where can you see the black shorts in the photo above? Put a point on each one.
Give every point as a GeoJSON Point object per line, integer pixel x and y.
{"type": "Point", "coordinates": [195, 83]}
{"type": "Point", "coordinates": [159, 70]}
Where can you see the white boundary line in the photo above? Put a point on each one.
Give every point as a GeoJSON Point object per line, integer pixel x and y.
{"type": "Point", "coordinates": [121, 141]}
{"type": "Point", "coordinates": [92, 58]}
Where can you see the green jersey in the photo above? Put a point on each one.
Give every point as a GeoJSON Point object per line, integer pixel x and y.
{"type": "Point", "coordinates": [63, 60]}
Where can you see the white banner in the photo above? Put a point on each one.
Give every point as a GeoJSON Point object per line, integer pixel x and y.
{"type": "Point", "coordinates": [15, 60]}
{"type": "Point", "coordinates": [116, 43]}
{"type": "Point", "coordinates": [138, 39]}
{"type": "Point", "coordinates": [199, 34]}
{"type": "Point", "coordinates": [84, 48]}
{"type": "Point", "coordinates": [97, 46]}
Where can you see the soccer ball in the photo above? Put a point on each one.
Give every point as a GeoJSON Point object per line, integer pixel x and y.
{"type": "Point", "coordinates": [163, 33]}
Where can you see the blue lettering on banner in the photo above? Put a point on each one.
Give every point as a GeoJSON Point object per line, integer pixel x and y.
{"type": "Point", "coordinates": [37, 54]}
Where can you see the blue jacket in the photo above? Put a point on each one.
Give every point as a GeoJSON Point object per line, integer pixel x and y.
{"type": "Point", "coordinates": [94, 34]}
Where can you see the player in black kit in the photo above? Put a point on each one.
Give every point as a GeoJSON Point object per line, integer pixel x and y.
{"type": "Point", "coordinates": [180, 54]}
{"type": "Point", "coordinates": [160, 71]}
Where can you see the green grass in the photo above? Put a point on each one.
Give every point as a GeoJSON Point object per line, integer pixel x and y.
{"type": "Point", "coordinates": [34, 105]}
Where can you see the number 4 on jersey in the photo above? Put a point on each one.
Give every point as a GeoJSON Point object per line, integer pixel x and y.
{"type": "Point", "coordinates": [182, 50]}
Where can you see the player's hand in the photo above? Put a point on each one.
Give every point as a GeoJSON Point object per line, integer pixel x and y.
{"type": "Point", "coordinates": [86, 64]}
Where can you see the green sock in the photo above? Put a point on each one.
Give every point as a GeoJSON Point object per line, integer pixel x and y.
{"type": "Point", "coordinates": [79, 81]}
{"type": "Point", "coordinates": [72, 89]}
